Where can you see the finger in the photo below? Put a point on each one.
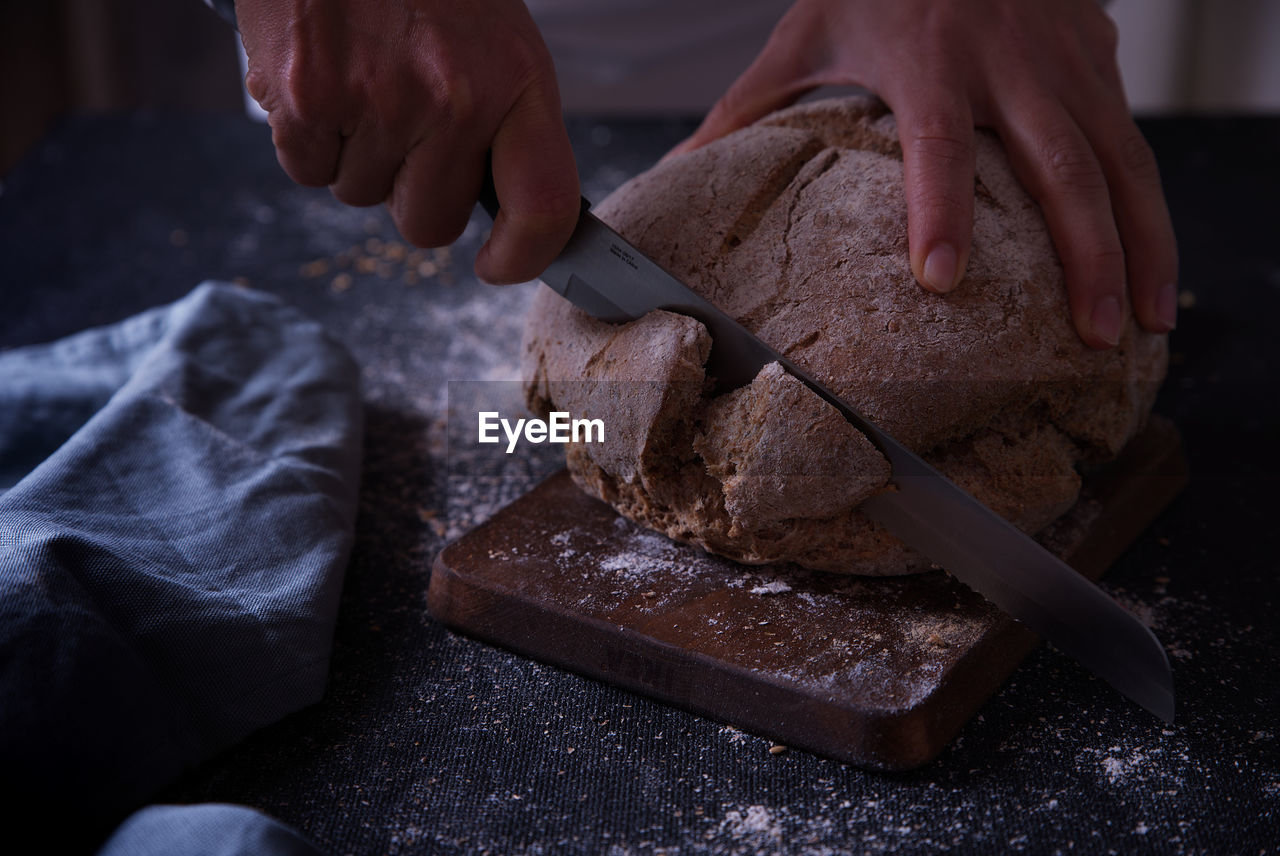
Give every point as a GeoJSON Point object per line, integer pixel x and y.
{"type": "Point", "coordinates": [367, 167]}
{"type": "Point", "coordinates": [307, 151]}
{"type": "Point", "coordinates": [780, 74]}
{"type": "Point", "coordinates": [1141, 214]}
{"type": "Point", "coordinates": [1054, 161]}
{"type": "Point", "coordinates": [537, 185]}
{"type": "Point", "coordinates": [435, 190]}
{"type": "Point", "coordinates": [935, 128]}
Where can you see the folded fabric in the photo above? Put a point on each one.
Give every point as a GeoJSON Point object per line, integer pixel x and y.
{"type": "Point", "coordinates": [205, 830]}
{"type": "Point", "coordinates": [177, 502]}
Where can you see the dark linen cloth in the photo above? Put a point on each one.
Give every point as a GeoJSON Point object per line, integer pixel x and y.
{"type": "Point", "coordinates": [177, 504]}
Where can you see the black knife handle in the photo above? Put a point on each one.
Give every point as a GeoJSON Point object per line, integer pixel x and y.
{"type": "Point", "coordinates": [489, 194]}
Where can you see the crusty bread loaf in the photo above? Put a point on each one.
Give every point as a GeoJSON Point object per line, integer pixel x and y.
{"type": "Point", "coordinates": [796, 226]}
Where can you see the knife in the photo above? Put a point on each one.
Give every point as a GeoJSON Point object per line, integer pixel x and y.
{"type": "Point", "coordinates": [602, 273]}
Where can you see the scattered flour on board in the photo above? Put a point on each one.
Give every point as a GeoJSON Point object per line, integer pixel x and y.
{"type": "Point", "coordinates": [774, 587]}
{"type": "Point", "coordinates": [644, 554]}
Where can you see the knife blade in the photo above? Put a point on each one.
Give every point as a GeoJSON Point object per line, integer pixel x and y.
{"type": "Point", "coordinates": [605, 275]}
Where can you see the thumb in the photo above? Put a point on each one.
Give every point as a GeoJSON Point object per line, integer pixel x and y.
{"type": "Point", "coordinates": [779, 75]}
{"type": "Point", "coordinates": [536, 180]}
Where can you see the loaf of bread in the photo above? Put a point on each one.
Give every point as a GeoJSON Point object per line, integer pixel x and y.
{"type": "Point", "coordinates": [797, 227]}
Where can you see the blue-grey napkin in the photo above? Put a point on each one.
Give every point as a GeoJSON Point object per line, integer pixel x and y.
{"type": "Point", "coordinates": [212, 829]}
{"type": "Point", "coordinates": [177, 501]}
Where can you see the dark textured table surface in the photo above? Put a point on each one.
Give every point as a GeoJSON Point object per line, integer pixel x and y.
{"type": "Point", "coordinates": [430, 742]}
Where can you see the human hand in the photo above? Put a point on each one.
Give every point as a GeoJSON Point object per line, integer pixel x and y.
{"type": "Point", "coordinates": [1042, 75]}
{"type": "Point", "coordinates": [400, 102]}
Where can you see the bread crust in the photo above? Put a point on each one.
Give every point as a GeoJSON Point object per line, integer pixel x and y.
{"type": "Point", "coordinates": [796, 226]}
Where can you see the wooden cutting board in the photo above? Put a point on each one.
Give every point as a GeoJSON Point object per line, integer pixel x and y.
{"type": "Point", "coordinates": [878, 672]}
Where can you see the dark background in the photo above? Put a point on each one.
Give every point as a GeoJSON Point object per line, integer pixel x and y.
{"type": "Point", "coordinates": [82, 56]}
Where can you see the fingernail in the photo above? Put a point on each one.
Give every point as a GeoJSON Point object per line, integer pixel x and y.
{"type": "Point", "coordinates": [1167, 306]}
{"type": "Point", "coordinates": [1106, 319]}
{"type": "Point", "coordinates": [940, 268]}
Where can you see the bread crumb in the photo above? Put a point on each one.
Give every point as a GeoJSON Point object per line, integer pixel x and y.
{"type": "Point", "coordinates": [777, 749]}
{"type": "Point", "coordinates": [431, 518]}
{"type": "Point", "coordinates": [313, 269]}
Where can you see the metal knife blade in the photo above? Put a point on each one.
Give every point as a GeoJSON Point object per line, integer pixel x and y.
{"type": "Point", "coordinates": [606, 276]}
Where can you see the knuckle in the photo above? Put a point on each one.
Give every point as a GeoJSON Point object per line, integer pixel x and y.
{"type": "Point", "coordinates": [255, 83]}
{"type": "Point", "coordinates": [450, 87]}
{"type": "Point", "coordinates": [456, 95]}
{"type": "Point", "coordinates": [935, 206]}
{"type": "Point", "coordinates": [942, 139]}
{"type": "Point", "coordinates": [1104, 264]}
{"type": "Point", "coordinates": [541, 223]}
{"type": "Point", "coordinates": [1069, 164]}
{"type": "Point", "coordinates": [550, 207]}
{"type": "Point", "coordinates": [543, 202]}
{"type": "Point", "coordinates": [311, 102]}
{"type": "Point", "coordinates": [1137, 158]}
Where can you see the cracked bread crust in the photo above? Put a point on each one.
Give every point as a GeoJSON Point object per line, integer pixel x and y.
{"type": "Point", "coordinates": [796, 226]}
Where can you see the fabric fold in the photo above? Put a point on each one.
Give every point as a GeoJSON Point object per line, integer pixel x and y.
{"type": "Point", "coordinates": [178, 505]}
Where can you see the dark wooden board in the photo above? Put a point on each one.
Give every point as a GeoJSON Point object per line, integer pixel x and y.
{"type": "Point", "coordinates": [879, 672]}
